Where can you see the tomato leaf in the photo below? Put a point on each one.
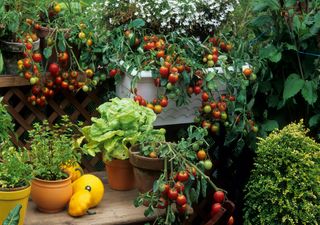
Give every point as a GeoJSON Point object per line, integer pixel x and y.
{"type": "Point", "coordinates": [250, 104]}
{"type": "Point", "coordinates": [47, 52]}
{"type": "Point", "coordinates": [292, 86]}
{"type": "Point", "coordinates": [203, 187]}
{"type": "Point", "coordinates": [270, 125]}
{"type": "Point", "coordinates": [239, 147]}
{"type": "Point", "coordinates": [270, 52]}
{"type": "Point", "coordinates": [210, 76]}
{"type": "Point", "coordinates": [136, 23]}
{"type": "Point", "coordinates": [61, 43]}
{"type": "Point", "coordinates": [211, 85]}
{"type": "Point", "coordinates": [296, 24]}
{"type": "Point", "coordinates": [186, 78]}
{"type": "Point", "coordinates": [155, 186]}
{"type": "Point", "coordinates": [149, 211]}
{"type": "Point", "coordinates": [309, 92]}
{"type": "Point", "coordinates": [171, 215]}
{"type": "Point", "coordinates": [314, 120]}
{"type": "Point", "coordinates": [262, 5]}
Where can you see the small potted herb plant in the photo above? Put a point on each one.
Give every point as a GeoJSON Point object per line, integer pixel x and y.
{"type": "Point", "coordinates": [15, 177]}
{"type": "Point", "coordinates": [51, 147]}
{"type": "Point", "coordinates": [121, 123]}
{"type": "Point", "coordinates": [15, 172]}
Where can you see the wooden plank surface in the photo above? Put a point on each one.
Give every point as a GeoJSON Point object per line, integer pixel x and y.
{"type": "Point", "coordinates": [116, 208]}
{"type": "Point", "coordinates": [13, 81]}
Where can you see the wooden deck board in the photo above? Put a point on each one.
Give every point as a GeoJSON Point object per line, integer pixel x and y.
{"type": "Point", "coordinates": [116, 208]}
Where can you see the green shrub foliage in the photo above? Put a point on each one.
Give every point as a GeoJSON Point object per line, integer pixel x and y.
{"type": "Point", "coordinates": [284, 186]}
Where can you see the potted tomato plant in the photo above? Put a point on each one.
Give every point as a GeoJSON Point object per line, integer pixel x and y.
{"type": "Point", "coordinates": [51, 149]}
{"type": "Point", "coordinates": [182, 180]}
{"type": "Point", "coordinates": [119, 126]}
{"type": "Point", "coordinates": [144, 157]}
{"type": "Point", "coordinates": [15, 171]}
{"type": "Point", "coordinates": [16, 32]}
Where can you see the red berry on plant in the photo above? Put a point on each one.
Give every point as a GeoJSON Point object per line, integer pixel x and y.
{"type": "Point", "coordinates": [54, 69]}
{"type": "Point", "coordinates": [218, 196]}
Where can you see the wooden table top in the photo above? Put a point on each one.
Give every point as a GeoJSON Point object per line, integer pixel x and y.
{"type": "Point", "coordinates": [115, 208]}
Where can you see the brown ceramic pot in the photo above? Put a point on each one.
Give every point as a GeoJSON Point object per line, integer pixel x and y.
{"type": "Point", "coordinates": [12, 52]}
{"type": "Point", "coordinates": [51, 196]}
{"type": "Point", "coordinates": [146, 170]}
{"type": "Point", "coordinates": [120, 174]}
{"type": "Point", "coordinates": [43, 32]}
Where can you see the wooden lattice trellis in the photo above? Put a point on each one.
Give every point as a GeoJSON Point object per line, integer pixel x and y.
{"type": "Point", "coordinates": [79, 106]}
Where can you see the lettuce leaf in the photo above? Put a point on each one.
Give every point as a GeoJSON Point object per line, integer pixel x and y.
{"type": "Point", "coordinates": [119, 126]}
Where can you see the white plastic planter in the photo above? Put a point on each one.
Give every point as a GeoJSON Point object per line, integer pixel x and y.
{"type": "Point", "coordinates": [171, 114]}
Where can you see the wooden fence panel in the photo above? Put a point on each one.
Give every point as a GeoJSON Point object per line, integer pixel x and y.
{"type": "Point", "coordinates": [79, 106]}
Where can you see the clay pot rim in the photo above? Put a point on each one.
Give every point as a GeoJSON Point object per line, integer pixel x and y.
{"type": "Point", "coordinates": [53, 181]}
{"type": "Point", "coordinates": [138, 155]}
{"type": "Point", "coordinates": [18, 43]}
{"type": "Point", "coordinates": [142, 162]}
{"type": "Point", "coordinates": [15, 189]}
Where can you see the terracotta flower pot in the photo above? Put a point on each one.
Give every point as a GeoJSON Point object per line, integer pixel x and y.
{"type": "Point", "coordinates": [120, 175]}
{"type": "Point", "coordinates": [146, 170]}
{"type": "Point", "coordinates": [9, 198]}
{"type": "Point", "coordinates": [51, 196]}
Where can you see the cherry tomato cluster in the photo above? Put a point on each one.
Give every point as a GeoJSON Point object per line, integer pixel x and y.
{"type": "Point", "coordinates": [53, 11]}
{"type": "Point", "coordinates": [57, 76]}
{"type": "Point", "coordinates": [85, 36]}
{"type": "Point", "coordinates": [213, 112]}
{"type": "Point", "coordinates": [215, 44]}
{"type": "Point", "coordinates": [248, 74]}
{"type": "Point", "coordinates": [171, 67]}
{"type": "Point", "coordinates": [195, 89]}
{"type": "Point", "coordinates": [218, 200]}
{"type": "Point", "coordinates": [48, 76]}
{"type": "Point", "coordinates": [156, 105]}
{"type": "Point", "coordinates": [173, 192]}
{"type": "Point", "coordinates": [115, 72]}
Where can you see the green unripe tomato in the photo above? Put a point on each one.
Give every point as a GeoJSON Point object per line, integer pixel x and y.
{"type": "Point", "coordinates": [170, 86]}
{"type": "Point", "coordinates": [208, 164]}
{"type": "Point", "coordinates": [103, 77]}
{"type": "Point", "coordinates": [195, 146]}
{"type": "Point", "coordinates": [253, 77]}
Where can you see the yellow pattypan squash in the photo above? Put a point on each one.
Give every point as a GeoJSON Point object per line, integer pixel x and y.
{"type": "Point", "coordinates": [79, 203]}
{"type": "Point", "coordinates": [92, 184]}
{"type": "Point", "coordinates": [75, 171]}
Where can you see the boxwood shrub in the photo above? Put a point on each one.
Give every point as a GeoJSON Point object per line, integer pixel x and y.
{"type": "Point", "coordinates": [284, 186]}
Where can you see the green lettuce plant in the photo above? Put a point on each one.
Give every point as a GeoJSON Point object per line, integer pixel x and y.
{"type": "Point", "coordinates": [120, 124]}
{"type": "Point", "coordinates": [284, 186]}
